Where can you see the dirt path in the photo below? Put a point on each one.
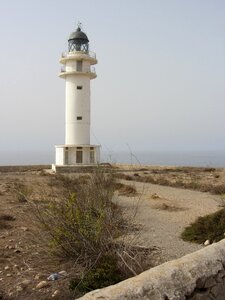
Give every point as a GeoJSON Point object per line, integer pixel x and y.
{"type": "Point", "coordinates": [165, 211]}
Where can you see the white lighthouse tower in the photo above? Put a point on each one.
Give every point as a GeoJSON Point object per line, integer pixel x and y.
{"type": "Point", "coordinates": [77, 71]}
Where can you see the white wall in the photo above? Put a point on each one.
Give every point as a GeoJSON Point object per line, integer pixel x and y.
{"type": "Point", "coordinates": [59, 156]}
{"type": "Point", "coordinates": [77, 104]}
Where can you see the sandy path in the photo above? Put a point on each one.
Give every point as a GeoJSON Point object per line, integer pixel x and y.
{"type": "Point", "coordinates": [162, 228]}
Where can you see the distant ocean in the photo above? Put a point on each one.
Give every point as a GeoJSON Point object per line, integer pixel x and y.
{"type": "Point", "coordinates": [167, 158]}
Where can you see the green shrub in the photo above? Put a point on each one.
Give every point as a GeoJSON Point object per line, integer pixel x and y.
{"type": "Point", "coordinates": [104, 273]}
{"type": "Point", "coordinates": [210, 227]}
{"type": "Point", "coordinates": [86, 222]}
{"type": "Point", "coordinates": [90, 230]}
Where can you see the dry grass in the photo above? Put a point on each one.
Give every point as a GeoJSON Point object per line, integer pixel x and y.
{"type": "Point", "coordinates": [125, 190]}
{"type": "Point", "coordinates": [201, 179]}
{"type": "Point", "coordinates": [168, 207]}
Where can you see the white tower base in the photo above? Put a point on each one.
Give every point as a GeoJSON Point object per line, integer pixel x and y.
{"type": "Point", "coordinates": [76, 155]}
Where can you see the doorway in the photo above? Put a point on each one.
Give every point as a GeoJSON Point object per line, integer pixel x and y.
{"type": "Point", "coordinates": [79, 156]}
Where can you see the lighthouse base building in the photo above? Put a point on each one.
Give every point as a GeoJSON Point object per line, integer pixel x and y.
{"type": "Point", "coordinates": [77, 71]}
{"type": "Point", "coordinates": [67, 155]}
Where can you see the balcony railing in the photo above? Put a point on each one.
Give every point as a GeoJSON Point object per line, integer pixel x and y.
{"type": "Point", "coordinates": [92, 70]}
{"type": "Point", "coordinates": [90, 53]}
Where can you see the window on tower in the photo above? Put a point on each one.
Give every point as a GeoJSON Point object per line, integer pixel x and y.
{"type": "Point", "coordinates": [79, 65]}
{"type": "Point", "coordinates": [79, 118]}
{"type": "Point", "coordinates": [79, 87]}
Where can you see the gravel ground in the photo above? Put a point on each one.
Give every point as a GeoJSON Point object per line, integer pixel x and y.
{"type": "Point", "coordinates": [164, 212]}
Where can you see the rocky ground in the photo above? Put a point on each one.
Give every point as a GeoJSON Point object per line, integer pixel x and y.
{"type": "Point", "coordinates": [162, 212]}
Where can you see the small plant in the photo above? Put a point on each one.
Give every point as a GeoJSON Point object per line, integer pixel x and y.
{"type": "Point", "coordinates": [4, 219]}
{"type": "Point", "coordinates": [21, 191]}
{"type": "Point", "coordinates": [210, 227]}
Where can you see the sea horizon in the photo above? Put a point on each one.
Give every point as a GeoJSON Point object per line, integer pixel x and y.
{"type": "Point", "coordinates": [154, 158]}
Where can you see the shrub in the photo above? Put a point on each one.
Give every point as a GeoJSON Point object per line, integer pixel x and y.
{"type": "Point", "coordinates": [104, 273]}
{"type": "Point", "coordinates": [85, 223]}
{"type": "Point", "coordinates": [87, 228]}
{"type": "Point", "coordinates": [210, 227]}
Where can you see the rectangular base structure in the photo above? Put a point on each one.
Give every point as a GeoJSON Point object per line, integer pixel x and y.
{"type": "Point", "coordinates": [76, 156]}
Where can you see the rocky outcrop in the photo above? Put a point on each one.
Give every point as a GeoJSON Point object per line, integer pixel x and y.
{"type": "Point", "coordinates": [199, 275]}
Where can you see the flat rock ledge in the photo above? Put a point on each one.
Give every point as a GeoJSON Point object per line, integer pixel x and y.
{"type": "Point", "coordinates": [199, 275]}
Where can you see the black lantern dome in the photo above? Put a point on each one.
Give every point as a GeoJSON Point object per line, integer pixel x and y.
{"type": "Point", "coordinates": [78, 41]}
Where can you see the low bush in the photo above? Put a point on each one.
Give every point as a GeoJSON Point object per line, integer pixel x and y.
{"type": "Point", "coordinates": [210, 227]}
{"type": "Point", "coordinates": [104, 273]}
{"type": "Point", "coordinates": [87, 227]}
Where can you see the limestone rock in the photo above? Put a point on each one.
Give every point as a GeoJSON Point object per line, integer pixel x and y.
{"type": "Point", "coordinates": [56, 292]}
{"type": "Point", "coordinates": [42, 284]}
{"type": "Point", "coordinates": [207, 242]}
{"type": "Point", "coordinates": [25, 282]}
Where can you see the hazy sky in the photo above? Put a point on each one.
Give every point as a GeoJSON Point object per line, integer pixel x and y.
{"type": "Point", "coordinates": [161, 73]}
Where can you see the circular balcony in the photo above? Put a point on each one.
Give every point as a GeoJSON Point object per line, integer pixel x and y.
{"type": "Point", "coordinates": [78, 55]}
{"type": "Point", "coordinates": [90, 73]}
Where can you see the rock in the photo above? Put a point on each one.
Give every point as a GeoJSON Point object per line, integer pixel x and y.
{"type": "Point", "coordinates": [19, 288]}
{"type": "Point", "coordinates": [63, 273]}
{"type": "Point", "coordinates": [207, 242]}
{"type": "Point", "coordinates": [42, 284]}
{"type": "Point", "coordinates": [37, 277]}
{"type": "Point", "coordinates": [155, 196]}
{"type": "Point", "coordinates": [25, 282]}
{"type": "Point", "coordinates": [6, 268]}
{"type": "Point", "coordinates": [24, 228]}
{"type": "Point", "coordinates": [16, 251]}
{"type": "Point", "coordinates": [56, 292]}
{"type": "Point", "coordinates": [210, 282]}
{"type": "Point", "coordinates": [8, 275]}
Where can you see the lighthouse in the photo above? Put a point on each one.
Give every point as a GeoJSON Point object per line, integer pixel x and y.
{"type": "Point", "coordinates": [78, 71]}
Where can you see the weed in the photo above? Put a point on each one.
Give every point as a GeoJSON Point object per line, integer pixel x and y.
{"type": "Point", "coordinates": [21, 191]}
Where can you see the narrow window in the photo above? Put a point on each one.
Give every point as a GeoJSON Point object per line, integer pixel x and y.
{"type": "Point", "coordinates": [79, 87]}
{"type": "Point", "coordinates": [79, 66]}
{"type": "Point", "coordinates": [91, 148]}
{"type": "Point", "coordinates": [79, 118]}
{"type": "Point", "coordinates": [80, 148]}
